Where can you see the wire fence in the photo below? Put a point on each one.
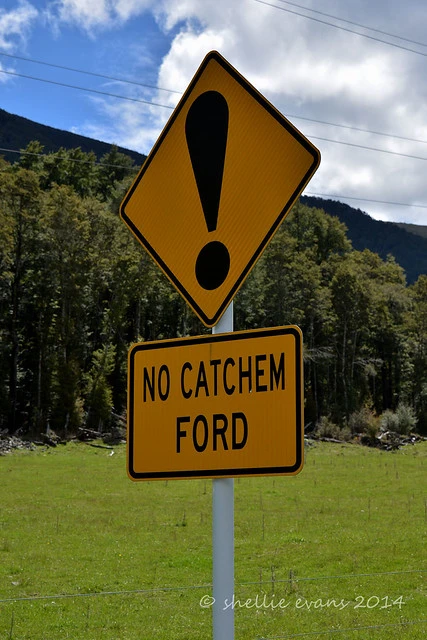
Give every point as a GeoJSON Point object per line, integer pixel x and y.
{"type": "Point", "coordinates": [293, 579]}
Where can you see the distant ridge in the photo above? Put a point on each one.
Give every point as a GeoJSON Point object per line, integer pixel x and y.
{"type": "Point", "coordinates": [418, 229]}
{"type": "Point", "coordinates": [408, 246]}
{"type": "Point", "coordinates": [16, 132]}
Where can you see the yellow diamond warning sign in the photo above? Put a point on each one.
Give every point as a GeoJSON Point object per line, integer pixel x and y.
{"type": "Point", "coordinates": [223, 405]}
{"type": "Point", "coordinates": [217, 184]}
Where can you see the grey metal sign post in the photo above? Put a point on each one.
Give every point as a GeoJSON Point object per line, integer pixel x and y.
{"type": "Point", "coordinates": [223, 535]}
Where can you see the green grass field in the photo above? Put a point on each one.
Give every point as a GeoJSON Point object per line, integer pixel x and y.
{"type": "Point", "coordinates": [336, 551]}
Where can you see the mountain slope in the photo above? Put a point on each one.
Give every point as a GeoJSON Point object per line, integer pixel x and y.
{"type": "Point", "coordinates": [418, 229]}
{"type": "Point", "coordinates": [408, 248]}
{"type": "Point", "coordinates": [16, 132]}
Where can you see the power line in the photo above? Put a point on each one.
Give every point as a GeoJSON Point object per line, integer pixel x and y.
{"type": "Point", "coordinates": [360, 129]}
{"type": "Point", "coordinates": [165, 106]}
{"type": "Point", "coordinates": [336, 26]}
{"type": "Point", "coordinates": [307, 193]}
{"type": "Point", "coordinates": [88, 73]}
{"type": "Point", "coordinates": [59, 159]}
{"type": "Point", "coordinates": [148, 86]}
{"type": "Point", "coordinates": [156, 104]}
{"type": "Point", "coordinates": [71, 86]}
{"type": "Point", "coordinates": [397, 204]}
{"type": "Point", "coordinates": [360, 146]}
{"type": "Point", "coordinates": [355, 24]}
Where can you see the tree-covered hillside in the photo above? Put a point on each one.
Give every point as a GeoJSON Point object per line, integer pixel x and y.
{"type": "Point", "coordinates": [407, 243]}
{"type": "Point", "coordinates": [76, 290]}
{"type": "Point", "coordinates": [17, 132]}
{"type": "Point", "coordinates": [417, 229]}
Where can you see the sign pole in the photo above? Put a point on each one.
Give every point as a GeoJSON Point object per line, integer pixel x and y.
{"type": "Point", "coordinates": [223, 535]}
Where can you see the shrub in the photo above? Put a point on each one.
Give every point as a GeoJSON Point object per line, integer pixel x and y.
{"type": "Point", "coordinates": [363, 421]}
{"type": "Point", "coordinates": [406, 419]}
{"type": "Point", "coordinates": [389, 421]}
{"type": "Point", "coordinates": [346, 434]}
{"type": "Point", "coordinates": [327, 429]}
{"type": "Point", "coordinates": [402, 421]}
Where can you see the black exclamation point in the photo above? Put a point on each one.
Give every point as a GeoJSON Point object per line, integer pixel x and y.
{"type": "Point", "coordinates": [206, 129]}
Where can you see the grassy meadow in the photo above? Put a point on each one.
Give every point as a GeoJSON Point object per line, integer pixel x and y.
{"type": "Point", "coordinates": [337, 551]}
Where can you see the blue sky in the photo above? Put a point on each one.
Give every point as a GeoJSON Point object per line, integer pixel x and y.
{"type": "Point", "coordinates": [289, 50]}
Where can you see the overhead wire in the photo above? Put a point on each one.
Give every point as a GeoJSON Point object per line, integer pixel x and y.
{"type": "Point", "coordinates": [361, 146]}
{"type": "Point", "coordinates": [72, 86]}
{"type": "Point", "coordinates": [355, 24]}
{"type": "Point", "coordinates": [78, 160]}
{"type": "Point", "coordinates": [294, 4]}
{"type": "Point", "coordinates": [306, 193]}
{"type": "Point", "coordinates": [126, 81]}
{"type": "Point", "coordinates": [397, 204]}
{"type": "Point", "coordinates": [359, 129]}
{"type": "Point", "coordinates": [88, 73]}
{"type": "Point", "coordinates": [336, 26]}
{"type": "Point", "coordinates": [156, 104]}
{"type": "Point", "coordinates": [133, 82]}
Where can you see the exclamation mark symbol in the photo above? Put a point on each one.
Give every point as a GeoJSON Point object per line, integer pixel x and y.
{"type": "Point", "coordinates": [206, 129]}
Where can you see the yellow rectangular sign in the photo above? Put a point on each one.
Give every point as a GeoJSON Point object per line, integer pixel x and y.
{"type": "Point", "coordinates": [222, 405]}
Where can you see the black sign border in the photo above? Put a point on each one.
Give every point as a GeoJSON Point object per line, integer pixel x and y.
{"type": "Point", "coordinates": [215, 473]}
{"type": "Point", "coordinates": [214, 55]}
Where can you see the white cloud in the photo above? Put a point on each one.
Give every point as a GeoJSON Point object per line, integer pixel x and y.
{"type": "Point", "coordinates": [185, 55]}
{"type": "Point", "coordinates": [127, 9]}
{"type": "Point", "coordinates": [87, 14]}
{"type": "Point", "coordinates": [95, 14]}
{"type": "Point", "coordinates": [15, 24]}
{"type": "Point", "coordinates": [283, 56]}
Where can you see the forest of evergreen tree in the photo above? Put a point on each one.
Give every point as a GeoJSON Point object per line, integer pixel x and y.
{"type": "Point", "coordinates": [76, 290]}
